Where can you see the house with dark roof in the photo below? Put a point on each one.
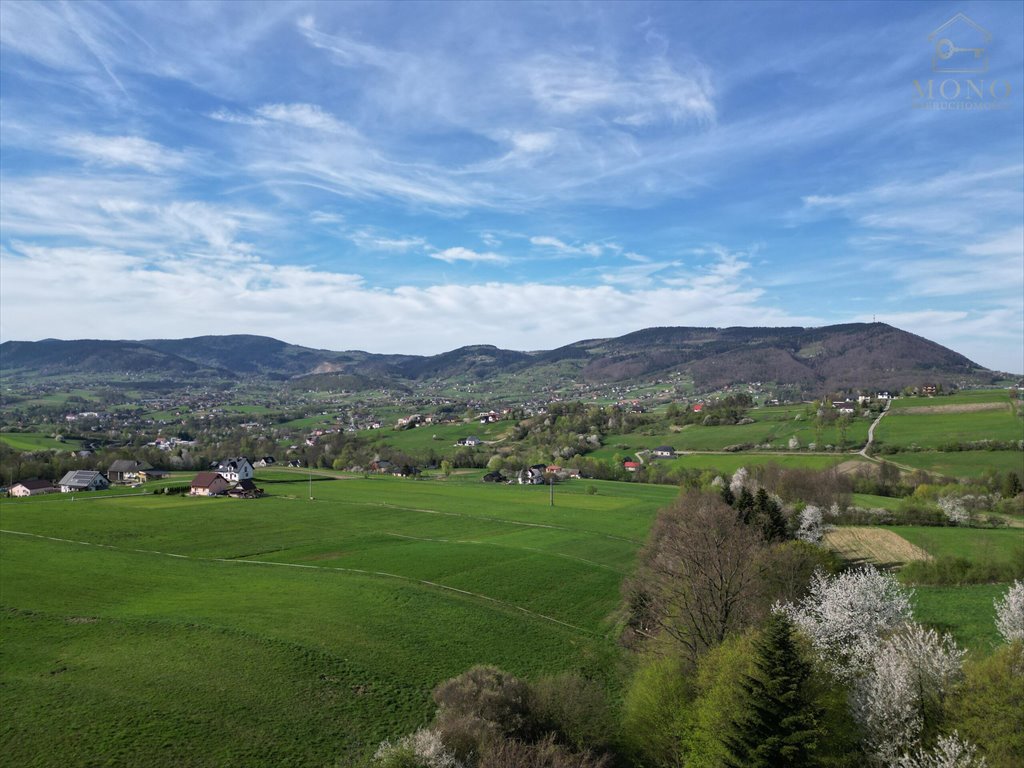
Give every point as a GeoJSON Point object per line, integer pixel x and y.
{"type": "Point", "coordinates": [245, 489]}
{"type": "Point", "coordinates": [125, 471]}
{"type": "Point", "coordinates": [664, 452]}
{"type": "Point", "coordinates": [31, 488]}
{"type": "Point", "coordinates": [83, 480]}
{"type": "Point", "coordinates": [208, 484]}
{"type": "Point", "coordinates": [265, 461]}
{"type": "Point", "coordinates": [472, 441]}
{"type": "Point", "coordinates": [235, 469]}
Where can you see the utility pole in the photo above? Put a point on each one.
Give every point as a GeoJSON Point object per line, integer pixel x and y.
{"type": "Point", "coordinates": [310, 480]}
{"type": "Point", "coordinates": [551, 484]}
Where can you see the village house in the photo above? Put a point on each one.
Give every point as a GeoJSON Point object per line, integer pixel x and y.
{"type": "Point", "coordinates": [124, 471]}
{"type": "Point", "coordinates": [844, 406]}
{"type": "Point", "coordinates": [31, 488]}
{"type": "Point", "coordinates": [631, 466]}
{"type": "Point", "coordinates": [83, 480]}
{"type": "Point", "coordinates": [235, 469]}
{"type": "Point", "coordinates": [472, 441]}
{"type": "Point", "coordinates": [208, 484]}
{"type": "Point", "coordinates": [245, 489]}
{"type": "Point", "coordinates": [266, 461]}
{"type": "Point", "coordinates": [664, 452]}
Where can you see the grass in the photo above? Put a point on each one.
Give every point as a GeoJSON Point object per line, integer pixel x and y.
{"type": "Point", "coordinates": [976, 544]}
{"type": "Point", "coordinates": [970, 397]}
{"type": "Point", "coordinates": [774, 431]}
{"type": "Point", "coordinates": [34, 441]}
{"type": "Point", "coordinates": [870, 501]}
{"type": "Point", "coordinates": [962, 464]}
{"type": "Point", "coordinates": [290, 631]}
{"type": "Point", "coordinates": [966, 612]}
{"type": "Point", "coordinates": [933, 430]}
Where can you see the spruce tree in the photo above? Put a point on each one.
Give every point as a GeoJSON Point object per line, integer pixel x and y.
{"type": "Point", "coordinates": [780, 727]}
{"type": "Point", "coordinates": [745, 506]}
{"type": "Point", "coordinates": [769, 517]}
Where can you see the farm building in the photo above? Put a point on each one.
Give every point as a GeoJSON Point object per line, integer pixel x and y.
{"type": "Point", "coordinates": [265, 461]}
{"type": "Point", "coordinates": [471, 441]}
{"type": "Point", "coordinates": [208, 484]}
{"type": "Point", "coordinates": [31, 488]}
{"type": "Point", "coordinates": [127, 471]}
{"type": "Point", "coordinates": [246, 489]}
{"type": "Point", "coordinates": [631, 466]}
{"type": "Point", "coordinates": [664, 452]}
{"type": "Point", "coordinates": [83, 480]}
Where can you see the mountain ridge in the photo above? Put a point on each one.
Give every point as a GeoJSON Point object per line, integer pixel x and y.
{"type": "Point", "coordinates": [845, 356]}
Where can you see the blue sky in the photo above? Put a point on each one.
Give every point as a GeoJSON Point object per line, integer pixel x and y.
{"type": "Point", "coordinates": [413, 177]}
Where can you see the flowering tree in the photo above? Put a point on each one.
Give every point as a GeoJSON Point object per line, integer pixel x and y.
{"type": "Point", "coordinates": [423, 749]}
{"type": "Point", "coordinates": [949, 752]}
{"type": "Point", "coordinates": [901, 694]}
{"type": "Point", "coordinates": [740, 480]}
{"type": "Point", "coordinates": [846, 616]}
{"type": "Point", "coordinates": [811, 528]}
{"type": "Point", "coordinates": [1010, 613]}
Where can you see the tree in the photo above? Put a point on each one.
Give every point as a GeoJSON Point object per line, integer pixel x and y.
{"type": "Point", "coordinates": [989, 705]}
{"type": "Point", "coordinates": [811, 527]}
{"type": "Point", "coordinates": [900, 700]}
{"type": "Point", "coordinates": [948, 752]}
{"type": "Point", "coordinates": [780, 727]}
{"type": "Point", "coordinates": [846, 615]}
{"type": "Point", "coordinates": [769, 516]}
{"type": "Point", "coordinates": [1010, 613]}
{"type": "Point", "coordinates": [446, 468]}
{"type": "Point", "coordinates": [699, 577]}
{"type": "Point", "coordinates": [1011, 485]}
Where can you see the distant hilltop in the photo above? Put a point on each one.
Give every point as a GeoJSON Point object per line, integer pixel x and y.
{"type": "Point", "coordinates": [834, 357]}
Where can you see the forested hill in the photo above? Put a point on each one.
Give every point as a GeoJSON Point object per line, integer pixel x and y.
{"type": "Point", "coordinates": [856, 355]}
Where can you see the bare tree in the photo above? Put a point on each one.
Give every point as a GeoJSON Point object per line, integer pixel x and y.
{"type": "Point", "coordinates": [699, 577]}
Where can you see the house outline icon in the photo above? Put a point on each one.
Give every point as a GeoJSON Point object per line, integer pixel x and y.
{"type": "Point", "coordinates": [949, 57]}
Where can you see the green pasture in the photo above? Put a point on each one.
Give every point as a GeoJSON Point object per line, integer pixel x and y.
{"type": "Point", "coordinates": [168, 630]}
{"type": "Point", "coordinates": [968, 397]}
{"type": "Point", "coordinates": [35, 441]}
{"type": "Point", "coordinates": [776, 432]}
{"type": "Point", "coordinates": [977, 544]}
{"type": "Point", "coordinates": [962, 464]}
{"type": "Point", "coordinates": [870, 501]}
{"type": "Point", "coordinates": [931, 430]}
{"type": "Point", "coordinates": [966, 612]}
{"type": "Point", "coordinates": [730, 462]}
{"type": "Point", "coordinates": [439, 438]}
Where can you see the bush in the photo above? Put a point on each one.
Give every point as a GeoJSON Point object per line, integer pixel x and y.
{"type": "Point", "coordinates": [954, 571]}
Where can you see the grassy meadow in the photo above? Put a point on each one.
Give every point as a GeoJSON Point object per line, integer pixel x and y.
{"type": "Point", "coordinates": [167, 630]}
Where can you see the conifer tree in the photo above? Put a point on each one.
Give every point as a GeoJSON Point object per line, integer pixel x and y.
{"type": "Point", "coordinates": [780, 727]}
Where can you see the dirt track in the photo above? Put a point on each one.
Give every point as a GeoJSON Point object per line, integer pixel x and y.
{"type": "Point", "coordinates": [961, 408]}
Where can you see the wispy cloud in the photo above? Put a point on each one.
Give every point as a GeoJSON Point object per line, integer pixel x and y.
{"type": "Point", "coordinates": [458, 253]}
{"type": "Point", "coordinates": [586, 249]}
{"type": "Point", "coordinates": [122, 151]}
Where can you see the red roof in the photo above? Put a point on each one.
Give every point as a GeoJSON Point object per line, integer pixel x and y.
{"type": "Point", "coordinates": [631, 464]}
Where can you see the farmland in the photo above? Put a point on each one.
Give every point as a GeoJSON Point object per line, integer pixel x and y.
{"type": "Point", "coordinates": [170, 604]}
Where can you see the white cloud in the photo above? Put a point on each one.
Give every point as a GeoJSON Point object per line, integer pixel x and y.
{"type": "Point", "coordinates": [122, 151]}
{"type": "Point", "coordinates": [452, 255]}
{"type": "Point", "coordinates": [304, 116]}
{"type": "Point", "coordinates": [376, 242]}
{"type": "Point", "coordinates": [184, 295]}
{"type": "Point", "coordinates": [584, 249]}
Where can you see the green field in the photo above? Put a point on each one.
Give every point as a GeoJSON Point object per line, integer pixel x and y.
{"type": "Point", "coordinates": [932, 430]}
{"type": "Point", "coordinates": [34, 441]}
{"type": "Point", "coordinates": [773, 430]}
{"type": "Point", "coordinates": [966, 612]}
{"type": "Point", "coordinates": [439, 438]}
{"type": "Point", "coordinates": [283, 631]}
{"type": "Point", "coordinates": [978, 544]}
{"type": "Point", "coordinates": [870, 501]}
{"type": "Point", "coordinates": [968, 397]}
{"type": "Point", "coordinates": [966, 464]}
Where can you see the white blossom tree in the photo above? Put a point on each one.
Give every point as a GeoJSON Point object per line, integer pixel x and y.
{"type": "Point", "coordinates": [811, 526]}
{"type": "Point", "coordinates": [903, 690]}
{"type": "Point", "coordinates": [949, 752]}
{"type": "Point", "coordinates": [1010, 613]}
{"type": "Point", "coordinates": [740, 480]}
{"type": "Point", "coordinates": [423, 748]}
{"type": "Point", "coordinates": [846, 616]}
{"type": "Point", "coordinates": [955, 510]}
